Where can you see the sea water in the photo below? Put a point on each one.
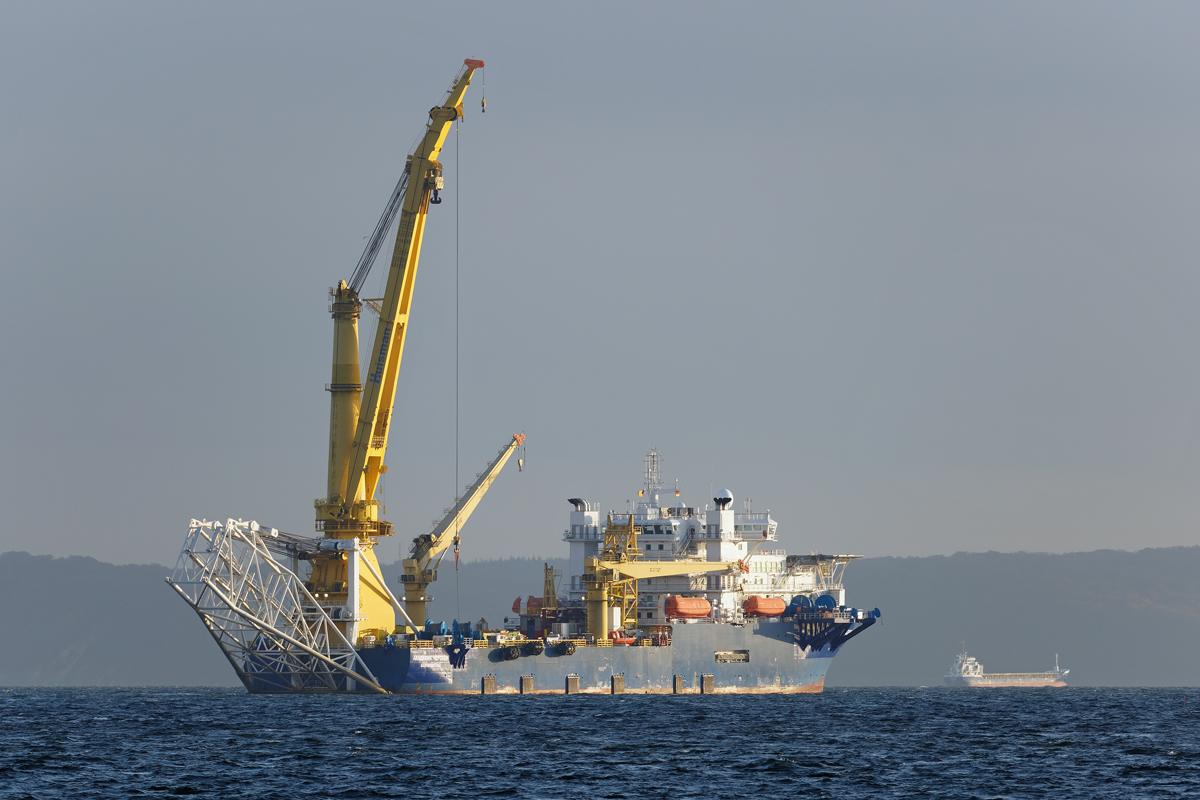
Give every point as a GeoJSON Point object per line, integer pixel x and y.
{"type": "Point", "coordinates": [845, 743]}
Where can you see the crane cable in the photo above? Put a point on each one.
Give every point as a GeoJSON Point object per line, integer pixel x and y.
{"type": "Point", "coordinates": [457, 600]}
{"type": "Point", "coordinates": [367, 259]}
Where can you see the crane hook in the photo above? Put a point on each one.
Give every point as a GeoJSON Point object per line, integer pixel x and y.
{"type": "Point", "coordinates": [435, 199]}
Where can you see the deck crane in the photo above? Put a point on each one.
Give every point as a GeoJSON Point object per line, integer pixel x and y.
{"type": "Point", "coordinates": [611, 577]}
{"type": "Point", "coordinates": [282, 630]}
{"type": "Point", "coordinates": [361, 414]}
{"type": "Point", "coordinates": [420, 569]}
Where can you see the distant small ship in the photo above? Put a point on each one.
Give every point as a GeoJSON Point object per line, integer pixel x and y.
{"type": "Point", "coordinates": [966, 671]}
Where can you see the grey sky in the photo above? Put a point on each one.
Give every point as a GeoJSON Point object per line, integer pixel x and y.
{"type": "Point", "coordinates": [919, 278]}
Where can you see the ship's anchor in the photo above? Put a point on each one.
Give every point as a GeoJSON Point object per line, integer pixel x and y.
{"type": "Point", "coordinates": [458, 655]}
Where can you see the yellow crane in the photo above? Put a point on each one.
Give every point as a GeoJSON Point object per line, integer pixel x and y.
{"type": "Point", "coordinates": [611, 577]}
{"type": "Point", "coordinates": [361, 414]}
{"type": "Point", "coordinates": [420, 569]}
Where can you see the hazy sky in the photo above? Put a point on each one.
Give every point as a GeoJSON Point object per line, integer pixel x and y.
{"type": "Point", "coordinates": [918, 278]}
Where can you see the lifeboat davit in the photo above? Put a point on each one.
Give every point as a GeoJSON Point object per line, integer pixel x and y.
{"type": "Point", "coordinates": [687, 607]}
{"type": "Point", "coordinates": [756, 606]}
{"type": "Point", "coordinates": [527, 604]}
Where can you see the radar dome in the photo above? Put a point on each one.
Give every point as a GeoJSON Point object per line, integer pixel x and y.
{"type": "Point", "coordinates": [724, 498]}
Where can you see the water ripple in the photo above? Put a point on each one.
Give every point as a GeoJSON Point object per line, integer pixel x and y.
{"type": "Point", "coordinates": [1010, 744]}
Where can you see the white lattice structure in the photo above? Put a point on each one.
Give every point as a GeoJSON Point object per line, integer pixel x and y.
{"type": "Point", "coordinates": [273, 631]}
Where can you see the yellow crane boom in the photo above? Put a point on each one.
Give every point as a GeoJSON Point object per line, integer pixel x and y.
{"type": "Point", "coordinates": [420, 569]}
{"type": "Point", "coordinates": [637, 570]}
{"type": "Point", "coordinates": [361, 413]}
{"type": "Point", "coordinates": [364, 454]}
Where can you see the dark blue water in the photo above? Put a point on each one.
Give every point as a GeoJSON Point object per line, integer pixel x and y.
{"type": "Point", "coordinates": [1061, 743]}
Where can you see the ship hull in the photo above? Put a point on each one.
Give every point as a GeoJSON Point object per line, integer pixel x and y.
{"type": "Point", "coordinates": [759, 657]}
{"type": "Point", "coordinates": [1002, 680]}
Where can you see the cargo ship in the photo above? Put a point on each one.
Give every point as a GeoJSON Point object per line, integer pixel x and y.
{"type": "Point", "coordinates": [967, 671]}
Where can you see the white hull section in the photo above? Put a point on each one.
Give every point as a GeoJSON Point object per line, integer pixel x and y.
{"type": "Point", "coordinates": [1003, 679]}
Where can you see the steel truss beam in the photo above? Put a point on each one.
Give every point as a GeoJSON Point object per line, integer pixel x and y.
{"type": "Point", "coordinates": [276, 635]}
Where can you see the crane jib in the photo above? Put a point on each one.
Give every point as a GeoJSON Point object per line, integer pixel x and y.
{"type": "Point", "coordinates": [376, 375]}
{"type": "Point", "coordinates": [364, 463]}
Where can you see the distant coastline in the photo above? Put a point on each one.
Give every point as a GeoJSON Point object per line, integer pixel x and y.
{"type": "Point", "coordinates": [88, 623]}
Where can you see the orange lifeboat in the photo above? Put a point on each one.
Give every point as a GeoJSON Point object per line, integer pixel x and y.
{"type": "Point", "coordinates": [756, 606]}
{"type": "Point", "coordinates": [527, 604]}
{"type": "Point", "coordinates": [687, 607]}
{"type": "Point", "coordinates": [619, 637]}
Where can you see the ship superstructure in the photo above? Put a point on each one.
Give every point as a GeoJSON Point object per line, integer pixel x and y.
{"type": "Point", "coordinates": [664, 598]}
{"type": "Point", "coordinates": [967, 671]}
{"type": "Point", "coordinates": [677, 532]}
